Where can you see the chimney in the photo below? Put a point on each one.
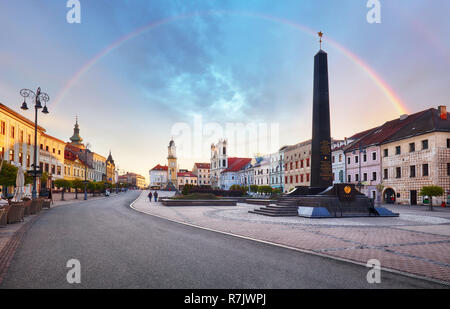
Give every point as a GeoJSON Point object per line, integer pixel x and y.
{"type": "Point", "coordinates": [442, 109]}
{"type": "Point", "coordinates": [403, 117]}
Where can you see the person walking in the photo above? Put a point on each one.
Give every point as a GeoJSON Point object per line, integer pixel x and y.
{"type": "Point", "coordinates": [150, 196]}
{"type": "Point", "coordinates": [156, 196]}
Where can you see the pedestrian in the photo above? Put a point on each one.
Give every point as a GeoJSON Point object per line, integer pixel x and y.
{"type": "Point", "coordinates": [156, 196]}
{"type": "Point", "coordinates": [150, 196]}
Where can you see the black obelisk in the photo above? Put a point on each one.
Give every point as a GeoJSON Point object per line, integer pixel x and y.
{"type": "Point", "coordinates": [321, 169]}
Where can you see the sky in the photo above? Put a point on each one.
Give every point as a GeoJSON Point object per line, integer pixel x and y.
{"type": "Point", "coordinates": [137, 73]}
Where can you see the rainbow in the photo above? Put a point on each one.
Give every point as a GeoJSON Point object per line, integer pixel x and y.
{"type": "Point", "coordinates": [383, 86]}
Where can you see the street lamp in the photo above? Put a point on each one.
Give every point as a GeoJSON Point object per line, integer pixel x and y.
{"type": "Point", "coordinates": [86, 150]}
{"type": "Point", "coordinates": [37, 96]}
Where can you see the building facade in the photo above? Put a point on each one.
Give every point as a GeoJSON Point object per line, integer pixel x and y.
{"type": "Point", "coordinates": [158, 177]}
{"type": "Point", "coordinates": [297, 165]}
{"type": "Point", "coordinates": [219, 162]}
{"type": "Point", "coordinates": [202, 170]}
{"type": "Point", "coordinates": [418, 155]}
{"type": "Point", "coordinates": [186, 177]}
{"type": "Point", "coordinates": [277, 169]}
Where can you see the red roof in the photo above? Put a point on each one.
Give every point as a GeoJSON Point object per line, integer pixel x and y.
{"type": "Point", "coordinates": [236, 164]}
{"type": "Point", "coordinates": [383, 132]}
{"type": "Point", "coordinates": [160, 168]}
{"type": "Point", "coordinates": [186, 174]}
{"type": "Point", "coordinates": [203, 165]}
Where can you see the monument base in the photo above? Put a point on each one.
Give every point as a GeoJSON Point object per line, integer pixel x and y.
{"type": "Point", "coordinates": [337, 201]}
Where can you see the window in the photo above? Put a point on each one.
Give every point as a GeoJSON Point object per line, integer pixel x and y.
{"type": "Point", "coordinates": [302, 178]}
{"type": "Point", "coordinates": [12, 131]}
{"type": "Point", "coordinates": [332, 160]}
{"type": "Point", "coordinates": [386, 152]}
{"type": "Point", "coordinates": [412, 147]}
{"type": "Point", "coordinates": [29, 139]}
{"type": "Point", "coordinates": [448, 169]}
{"type": "Point", "coordinates": [307, 163]}
{"type": "Point", "coordinates": [42, 146]}
{"type": "Point", "coordinates": [47, 167]}
{"type": "Point", "coordinates": [3, 128]}
{"type": "Point", "coordinates": [349, 178]}
{"type": "Point", "coordinates": [21, 136]}
{"type": "Point", "coordinates": [11, 155]}
{"type": "Point", "coordinates": [46, 148]}
{"type": "Point", "coordinates": [385, 176]}
{"type": "Point", "coordinates": [356, 159]}
{"type": "Point", "coordinates": [41, 166]}
{"type": "Point", "coordinates": [397, 150]}
{"type": "Point", "coordinates": [307, 177]}
{"type": "Point", "coordinates": [224, 150]}
{"type": "Point", "coordinates": [224, 163]}
{"type": "Point", "coordinates": [340, 158]}
{"type": "Point", "coordinates": [296, 164]}
{"type": "Point", "coordinates": [348, 160]}
{"type": "Point", "coordinates": [398, 172]}
{"type": "Point", "coordinates": [54, 150]}
{"type": "Point", "coordinates": [296, 178]}
{"type": "Point", "coordinates": [374, 156]}
{"type": "Point", "coordinates": [20, 158]}
{"type": "Point", "coordinates": [412, 171]}
{"type": "Point", "coordinates": [28, 160]}
{"type": "Point", "coordinates": [301, 164]}
{"type": "Point", "coordinates": [53, 170]}
{"type": "Point", "coordinates": [425, 170]}
{"type": "Point", "coordinates": [365, 177]}
{"type": "Point", "coordinates": [291, 178]}
{"type": "Point", "coordinates": [424, 144]}
{"type": "Point", "coordinates": [291, 166]}
{"type": "Point", "coordinates": [374, 176]}
{"type": "Point", "coordinates": [365, 158]}
{"type": "Point", "coordinates": [356, 177]}
{"type": "Point", "coordinates": [448, 142]}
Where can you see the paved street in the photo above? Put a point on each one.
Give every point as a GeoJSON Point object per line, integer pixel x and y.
{"type": "Point", "coordinates": [121, 248]}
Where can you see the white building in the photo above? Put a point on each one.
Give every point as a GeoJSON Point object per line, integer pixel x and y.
{"type": "Point", "coordinates": [219, 162]}
{"type": "Point", "coordinates": [262, 171]}
{"type": "Point", "coordinates": [277, 169]}
{"type": "Point", "coordinates": [158, 176]}
{"type": "Point", "coordinates": [233, 174]}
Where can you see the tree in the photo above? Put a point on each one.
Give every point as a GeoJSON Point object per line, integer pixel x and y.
{"type": "Point", "coordinates": [44, 178]}
{"type": "Point", "coordinates": [64, 184]}
{"type": "Point", "coordinates": [431, 191]}
{"type": "Point", "coordinates": [187, 189]}
{"type": "Point", "coordinates": [77, 184]}
{"type": "Point", "coordinates": [8, 176]}
{"type": "Point", "coordinates": [254, 188]}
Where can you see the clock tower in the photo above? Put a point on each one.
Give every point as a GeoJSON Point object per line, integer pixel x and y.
{"type": "Point", "coordinates": [172, 169]}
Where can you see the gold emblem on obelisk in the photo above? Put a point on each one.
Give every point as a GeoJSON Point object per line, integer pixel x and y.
{"type": "Point", "coordinates": [320, 33]}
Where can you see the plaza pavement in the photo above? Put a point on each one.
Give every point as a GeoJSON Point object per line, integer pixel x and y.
{"type": "Point", "coordinates": [416, 243]}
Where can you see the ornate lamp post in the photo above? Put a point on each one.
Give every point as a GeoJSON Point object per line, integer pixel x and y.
{"type": "Point", "coordinates": [37, 96]}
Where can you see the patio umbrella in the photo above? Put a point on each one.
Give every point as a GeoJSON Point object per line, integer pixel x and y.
{"type": "Point", "coordinates": [20, 183]}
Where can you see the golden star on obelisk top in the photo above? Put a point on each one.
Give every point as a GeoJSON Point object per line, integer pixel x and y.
{"type": "Point", "coordinates": [320, 33]}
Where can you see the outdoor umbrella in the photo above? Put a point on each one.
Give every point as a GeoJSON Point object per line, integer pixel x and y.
{"type": "Point", "coordinates": [20, 183]}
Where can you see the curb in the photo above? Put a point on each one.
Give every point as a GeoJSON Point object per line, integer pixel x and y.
{"type": "Point", "coordinates": [390, 270]}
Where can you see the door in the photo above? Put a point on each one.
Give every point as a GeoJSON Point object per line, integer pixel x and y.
{"type": "Point", "coordinates": [413, 195]}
